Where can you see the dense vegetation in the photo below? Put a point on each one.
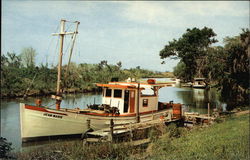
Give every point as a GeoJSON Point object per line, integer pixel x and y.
{"type": "Point", "coordinates": [20, 75]}
{"type": "Point", "coordinates": [227, 140]}
{"type": "Point", "coordinates": [226, 66]}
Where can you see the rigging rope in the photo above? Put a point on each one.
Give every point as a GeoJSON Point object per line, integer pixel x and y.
{"type": "Point", "coordinates": [50, 43]}
{"type": "Point", "coordinates": [24, 96]}
{"type": "Point", "coordinates": [69, 27]}
{"type": "Point", "coordinates": [66, 72]}
{"type": "Point", "coordinates": [66, 51]}
{"type": "Point", "coordinates": [56, 48]}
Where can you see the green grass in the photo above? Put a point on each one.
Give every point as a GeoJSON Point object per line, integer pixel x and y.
{"type": "Point", "coordinates": [227, 140]}
{"type": "Point", "coordinates": [77, 151]}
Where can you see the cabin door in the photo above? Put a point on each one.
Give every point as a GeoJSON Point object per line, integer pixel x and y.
{"type": "Point", "coordinates": [132, 102]}
{"type": "Point", "coordinates": [126, 101]}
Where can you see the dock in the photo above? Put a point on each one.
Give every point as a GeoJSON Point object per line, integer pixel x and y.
{"type": "Point", "coordinates": [196, 118]}
{"type": "Point", "coordinates": [138, 133]}
{"type": "Point", "coordinates": [134, 133]}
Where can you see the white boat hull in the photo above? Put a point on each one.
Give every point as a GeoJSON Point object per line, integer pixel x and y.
{"type": "Point", "coordinates": [37, 122]}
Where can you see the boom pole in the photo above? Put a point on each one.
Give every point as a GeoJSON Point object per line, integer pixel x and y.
{"type": "Point", "coordinates": [71, 49]}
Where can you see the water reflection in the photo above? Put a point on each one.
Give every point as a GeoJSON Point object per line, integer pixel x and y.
{"type": "Point", "coordinates": [195, 99]}
{"type": "Point", "coordinates": [198, 95]}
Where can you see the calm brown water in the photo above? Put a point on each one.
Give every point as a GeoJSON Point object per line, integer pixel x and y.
{"type": "Point", "coordinates": [194, 99]}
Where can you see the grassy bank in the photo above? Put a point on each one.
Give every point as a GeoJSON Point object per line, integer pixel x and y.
{"type": "Point", "coordinates": [225, 140]}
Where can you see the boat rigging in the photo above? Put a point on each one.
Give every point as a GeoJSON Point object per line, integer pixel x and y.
{"type": "Point", "coordinates": [62, 33]}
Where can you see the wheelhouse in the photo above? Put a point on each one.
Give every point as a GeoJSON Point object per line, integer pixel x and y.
{"type": "Point", "coordinates": [125, 96]}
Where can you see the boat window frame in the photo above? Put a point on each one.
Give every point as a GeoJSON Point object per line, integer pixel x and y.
{"type": "Point", "coordinates": [110, 92]}
{"type": "Point", "coordinates": [120, 94]}
{"type": "Point", "coordinates": [144, 102]}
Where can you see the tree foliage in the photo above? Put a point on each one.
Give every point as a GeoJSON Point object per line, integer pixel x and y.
{"type": "Point", "coordinates": [190, 48]}
{"type": "Point", "coordinates": [179, 70]}
{"type": "Point", "coordinates": [228, 66]}
{"type": "Point", "coordinates": [235, 83]}
{"type": "Point", "coordinates": [18, 79]}
{"type": "Point", "coordinates": [28, 56]}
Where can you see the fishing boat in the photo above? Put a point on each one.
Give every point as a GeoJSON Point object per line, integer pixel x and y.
{"type": "Point", "coordinates": [199, 83]}
{"type": "Point", "coordinates": [123, 102]}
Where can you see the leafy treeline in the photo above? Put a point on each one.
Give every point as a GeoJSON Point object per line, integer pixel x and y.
{"type": "Point", "coordinates": [20, 75]}
{"type": "Point", "coordinates": [226, 66]}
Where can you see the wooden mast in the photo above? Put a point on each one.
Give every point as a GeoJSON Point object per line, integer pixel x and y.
{"type": "Point", "coordinates": [62, 33]}
{"type": "Point", "coordinates": [59, 67]}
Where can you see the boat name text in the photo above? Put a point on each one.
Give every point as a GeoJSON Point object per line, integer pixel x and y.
{"type": "Point", "coordinates": [52, 115]}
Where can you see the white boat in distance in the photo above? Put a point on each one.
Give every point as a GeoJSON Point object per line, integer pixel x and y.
{"type": "Point", "coordinates": [124, 102]}
{"type": "Point", "coordinates": [199, 83]}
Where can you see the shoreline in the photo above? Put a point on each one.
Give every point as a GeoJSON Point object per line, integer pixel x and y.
{"type": "Point", "coordinates": [44, 94]}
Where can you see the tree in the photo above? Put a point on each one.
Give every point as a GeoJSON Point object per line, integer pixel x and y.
{"type": "Point", "coordinates": [179, 70]}
{"type": "Point", "coordinates": [214, 64]}
{"type": "Point", "coordinates": [11, 60]}
{"type": "Point", "coordinates": [119, 64]}
{"type": "Point", "coordinates": [10, 74]}
{"type": "Point", "coordinates": [28, 57]}
{"type": "Point", "coordinates": [236, 80]}
{"type": "Point", "coordinates": [191, 47]}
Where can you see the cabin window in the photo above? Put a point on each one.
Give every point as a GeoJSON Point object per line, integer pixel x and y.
{"type": "Point", "coordinates": [118, 93]}
{"type": "Point", "coordinates": [108, 92]}
{"type": "Point", "coordinates": [145, 102]}
{"type": "Point", "coordinates": [149, 92]}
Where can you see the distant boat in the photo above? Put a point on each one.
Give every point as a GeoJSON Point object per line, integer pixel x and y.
{"type": "Point", "coordinates": [189, 84]}
{"type": "Point", "coordinates": [124, 102]}
{"type": "Point", "coordinates": [199, 83]}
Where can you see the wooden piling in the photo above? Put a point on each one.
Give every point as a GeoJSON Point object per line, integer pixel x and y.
{"type": "Point", "coordinates": [208, 109]}
{"type": "Point", "coordinates": [111, 130]}
{"type": "Point", "coordinates": [88, 123]}
{"type": "Point", "coordinates": [130, 132]}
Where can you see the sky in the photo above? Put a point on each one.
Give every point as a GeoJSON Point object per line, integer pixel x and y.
{"type": "Point", "coordinates": [132, 32]}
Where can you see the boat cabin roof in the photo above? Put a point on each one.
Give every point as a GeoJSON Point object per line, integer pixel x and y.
{"type": "Point", "coordinates": [129, 85]}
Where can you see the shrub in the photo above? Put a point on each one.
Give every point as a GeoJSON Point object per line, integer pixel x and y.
{"type": "Point", "coordinates": [173, 130]}
{"type": "Point", "coordinates": [5, 148]}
